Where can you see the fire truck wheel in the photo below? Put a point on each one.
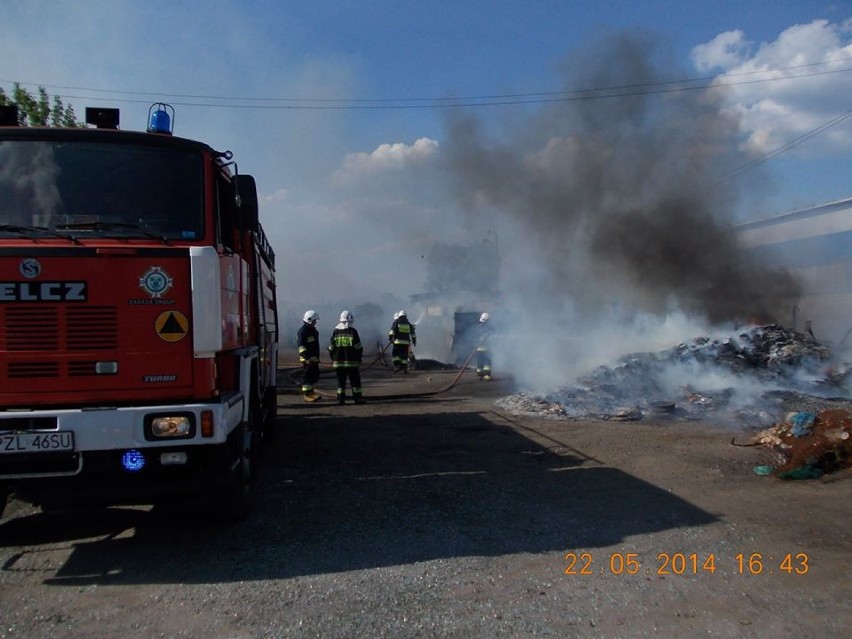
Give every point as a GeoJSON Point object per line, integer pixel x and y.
{"type": "Point", "coordinates": [255, 444]}
{"type": "Point", "coordinates": [231, 501]}
{"type": "Point", "coordinates": [4, 497]}
{"type": "Point", "coordinates": [270, 416]}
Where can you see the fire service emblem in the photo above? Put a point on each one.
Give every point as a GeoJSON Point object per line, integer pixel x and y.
{"type": "Point", "coordinates": [155, 282]}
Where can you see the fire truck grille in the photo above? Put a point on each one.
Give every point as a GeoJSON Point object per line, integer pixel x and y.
{"type": "Point", "coordinates": [18, 370]}
{"type": "Point", "coordinates": [81, 369]}
{"type": "Point", "coordinates": [37, 328]}
{"type": "Point", "coordinates": [92, 328]}
{"type": "Point", "coordinates": [31, 329]}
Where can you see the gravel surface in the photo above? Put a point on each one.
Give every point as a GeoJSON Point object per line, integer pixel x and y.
{"type": "Point", "coordinates": [444, 516]}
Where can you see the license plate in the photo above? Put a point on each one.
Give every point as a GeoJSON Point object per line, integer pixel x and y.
{"type": "Point", "coordinates": [36, 442]}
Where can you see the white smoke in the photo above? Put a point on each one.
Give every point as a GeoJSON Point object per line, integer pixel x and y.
{"type": "Point", "coordinates": [619, 230]}
{"type": "Point", "coordinates": [613, 227]}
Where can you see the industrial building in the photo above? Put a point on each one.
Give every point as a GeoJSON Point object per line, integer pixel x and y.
{"type": "Point", "coordinates": [815, 245]}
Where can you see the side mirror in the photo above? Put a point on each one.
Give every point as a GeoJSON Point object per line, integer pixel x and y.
{"type": "Point", "coordinates": [247, 206]}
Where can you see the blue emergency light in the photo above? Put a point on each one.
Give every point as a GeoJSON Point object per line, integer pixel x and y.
{"type": "Point", "coordinates": [160, 118]}
{"type": "Point", "coordinates": [133, 460]}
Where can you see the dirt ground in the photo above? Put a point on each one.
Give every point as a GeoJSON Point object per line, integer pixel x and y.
{"type": "Point", "coordinates": [428, 512]}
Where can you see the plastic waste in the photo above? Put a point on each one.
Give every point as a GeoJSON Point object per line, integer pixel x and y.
{"type": "Point", "coordinates": [803, 472]}
{"type": "Point", "coordinates": [764, 469]}
{"type": "Point", "coordinates": [801, 424]}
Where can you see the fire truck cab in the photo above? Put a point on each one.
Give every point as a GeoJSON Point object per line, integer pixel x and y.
{"type": "Point", "coordinates": [138, 318]}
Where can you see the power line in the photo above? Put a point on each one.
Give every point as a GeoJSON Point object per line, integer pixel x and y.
{"type": "Point", "coordinates": [450, 103]}
{"type": "Point", "coordinates": [626, 90]}
{"type": "Point", "coordinates": [784, 147]}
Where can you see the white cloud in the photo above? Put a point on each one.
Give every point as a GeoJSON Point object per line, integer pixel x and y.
{"type": "Point", "coordinates": [386, 158]}
{"type": "Point", "coordinates": [274, 199]}
{"type": "Point", "coordinates": [725, 51]}
{"type": "Point", "coordinates": [785, 88]}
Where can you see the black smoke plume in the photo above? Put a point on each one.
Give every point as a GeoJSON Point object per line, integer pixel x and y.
{"type": "Point", "coordinates": [615, 195]}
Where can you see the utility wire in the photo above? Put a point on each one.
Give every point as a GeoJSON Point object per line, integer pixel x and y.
{"type": "Point", "coordinates": [454, 103]}
{"type": "Point", "coordinates": [784, 147]}
{"type": "Point", "coordinates": [626, 90]}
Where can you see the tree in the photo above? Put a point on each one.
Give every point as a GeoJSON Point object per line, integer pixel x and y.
{"type": "Point", "coordinates": [37, 111]}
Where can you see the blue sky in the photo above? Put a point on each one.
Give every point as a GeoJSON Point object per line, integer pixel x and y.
{"type": "Point", "coordinates": [364, 50]}
{"type": "Point", "coordinates": [339, 109]}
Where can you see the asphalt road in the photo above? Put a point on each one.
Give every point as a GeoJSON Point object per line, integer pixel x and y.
{"type": "Point", "coordinates": [429, 513]}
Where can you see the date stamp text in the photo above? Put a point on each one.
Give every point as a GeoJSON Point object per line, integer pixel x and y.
{"type": "Point", "coordinates": [685, 563]}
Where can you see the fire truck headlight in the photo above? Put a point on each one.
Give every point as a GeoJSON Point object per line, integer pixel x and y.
{"type": "Point", "coordinates": [177, 426]}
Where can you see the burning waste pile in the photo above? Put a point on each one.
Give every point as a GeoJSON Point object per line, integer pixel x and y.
{"type": "Point", "coordinates": [752, 378]}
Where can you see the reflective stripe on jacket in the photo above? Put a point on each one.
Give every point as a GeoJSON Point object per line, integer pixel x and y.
{"type": "Point", "coordinates": [309, 349]}
{"type": "Point", "coordinates": [402, 332]}
{"type": "Point", "coordinates": [345, 348]}
{"type": "Point", "coordinates": [484, 333]}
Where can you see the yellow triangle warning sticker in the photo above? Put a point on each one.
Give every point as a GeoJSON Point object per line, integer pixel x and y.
{"type": "Point", "coordinates": [171, 326]}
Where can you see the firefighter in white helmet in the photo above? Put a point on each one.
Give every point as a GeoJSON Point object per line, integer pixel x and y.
{"type": "Point", "coordinates": [483, 355]}
{"type": "Point", "coordinates": [403, 338]}
{"type": "Point", "coordinates": [309, 353]}
{"type": "Point", "coordinates": [346, 353]}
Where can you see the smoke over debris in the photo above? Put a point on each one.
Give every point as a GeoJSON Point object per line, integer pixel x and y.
{"type": "Point", "coordinates": [751, 376]}
{"type": "Point", "coordinates": [611, 200]}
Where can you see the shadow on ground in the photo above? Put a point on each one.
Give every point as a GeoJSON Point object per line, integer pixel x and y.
{"type": "Point", "coordinates": [342, 493]}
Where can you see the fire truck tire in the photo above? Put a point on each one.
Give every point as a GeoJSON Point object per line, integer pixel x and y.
{"type": "Point", "coordinates": [230, 501]}
{"type": "Point", "coordinates": [270, 415]}
{"type": "Point", "coordinates": [257, 441]}
{"type": "Point", "coordinates": [5, 491]}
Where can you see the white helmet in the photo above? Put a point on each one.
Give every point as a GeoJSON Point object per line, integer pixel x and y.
{"type": "Point", "coordinates": [396, 315]}
{"type": "Point", "coordinates": [310, 316]}
{"type": "Point", "coordinates": [346, 317]}
{"type": "Point", "coordinates": [401, 314]}
{"type": "Point", "coordinates": [484, 318]}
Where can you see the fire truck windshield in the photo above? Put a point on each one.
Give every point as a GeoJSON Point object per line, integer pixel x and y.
{"type": "Point", "coordinates": [95, 189]}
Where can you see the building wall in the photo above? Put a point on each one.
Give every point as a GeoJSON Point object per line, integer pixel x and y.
{"type": "Point", "coordinates": [816, 246]}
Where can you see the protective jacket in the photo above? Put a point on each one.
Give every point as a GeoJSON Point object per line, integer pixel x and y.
{"type": "Point", "coordinates": [402, 332]}
{"type": "Point", "coordinates": [309, 349]}
{"type": "Point", "coordinates": [345, 347]}
{"type": "Point", "coordinates": [483, 356]}
{"type": "Point", "coordinates": [484, 334]}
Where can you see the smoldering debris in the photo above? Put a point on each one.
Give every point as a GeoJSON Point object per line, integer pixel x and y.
{"type": "Point", "coordinates": [429, 365]}
{"type": "Point", "coordinates": [805, 445]}
{"type": "Point", "coordinates": [748, 378]}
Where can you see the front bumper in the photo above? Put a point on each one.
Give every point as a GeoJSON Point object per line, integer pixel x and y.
{"type": "Point", "coordinates": [104, 434]}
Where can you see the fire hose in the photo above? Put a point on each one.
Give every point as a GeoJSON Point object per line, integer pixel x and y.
{"type": "Point", "coordinates": [295, 369]}
{"type": "Point", "coordinates": [380, 357]}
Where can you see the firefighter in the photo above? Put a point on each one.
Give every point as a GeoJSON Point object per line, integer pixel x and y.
{"type": "Point", "coordinates": [483, 356]}
{"type": "Point", "coordinates": [309, 353]}
{"type": "Point", "coordinates": [346, 352]}
{"type": "Point", "coordinates": [403, 338]}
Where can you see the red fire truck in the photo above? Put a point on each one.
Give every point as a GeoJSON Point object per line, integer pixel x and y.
{"type": "Point", "coordinates": [138, 317]}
